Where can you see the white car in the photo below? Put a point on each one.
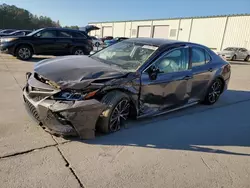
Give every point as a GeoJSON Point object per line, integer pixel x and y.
{"type": "Point", "coordinates": [235, 53]}
{"type": "Point", "coordinates": [96, 41]}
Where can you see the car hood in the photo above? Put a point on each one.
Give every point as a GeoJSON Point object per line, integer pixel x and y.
{"type": "Point", "coordinates": [71, 70]}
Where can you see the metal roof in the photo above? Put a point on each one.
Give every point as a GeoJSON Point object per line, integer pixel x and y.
{"type": "Point", "coordinates": [175, 18]}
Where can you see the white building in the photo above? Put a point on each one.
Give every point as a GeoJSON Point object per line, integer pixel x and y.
{"type": "Point", "coordinates": [216, 32]}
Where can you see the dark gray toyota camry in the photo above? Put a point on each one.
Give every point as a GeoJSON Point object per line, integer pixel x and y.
{"type": "Point", "coordinates": [140, 77]}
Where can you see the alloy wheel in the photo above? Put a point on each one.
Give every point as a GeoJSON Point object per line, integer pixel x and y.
{"type": "Point", "coordinates": [79, 52]}
{"type": "Point", "coordinates": [119, 114]}
{"type": "Point", "coordinates": [24, 53]}
{"type": "Point", "coordinates": [215, 92]}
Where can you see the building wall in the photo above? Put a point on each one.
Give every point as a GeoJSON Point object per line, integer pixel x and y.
{"type": "Point", "coordinates": [237, 32]}
{"type": "Point", "coordinates": [208, 31]}
{"type": "Point", "coordinates": [215, 32]}
{"type": "Point", "coordinates": [135, 25]}
{"type": "Point", "coordinates": [127, 29]}
{"type": "Point", "coordinates": [119, 29]}
{"type": "Point", "coordinates": [184, 30]}
{"type": "Point", "coordinates": [173, 25]}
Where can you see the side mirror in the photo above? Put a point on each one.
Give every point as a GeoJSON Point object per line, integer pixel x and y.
{"type": "Point", "coordinates": [153, 72]}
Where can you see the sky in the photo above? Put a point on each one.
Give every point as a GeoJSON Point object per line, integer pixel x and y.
{"type": "Point", "coordinates": [81, 12]}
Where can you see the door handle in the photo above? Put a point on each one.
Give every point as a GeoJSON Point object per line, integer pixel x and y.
{"type": "Point", "coordinates": [187, 77]}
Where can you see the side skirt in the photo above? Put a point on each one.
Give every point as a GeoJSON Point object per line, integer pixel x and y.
{"type": "Point", "coordinates": [169, 111]}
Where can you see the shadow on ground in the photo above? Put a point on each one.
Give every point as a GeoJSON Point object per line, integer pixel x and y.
{"type": "Point", "coordinates": [197, 132]}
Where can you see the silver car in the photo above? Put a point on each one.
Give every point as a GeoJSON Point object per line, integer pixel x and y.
{"type": "Point", "coordinates": [234, 53]}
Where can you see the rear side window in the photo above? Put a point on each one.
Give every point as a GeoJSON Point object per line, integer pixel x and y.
{"type": "Point", "coordinates": [65, 34]}
{"type": "Point", "coordinates": [199, 57]}
{"type": "Point", "coordinates": [78, 35]}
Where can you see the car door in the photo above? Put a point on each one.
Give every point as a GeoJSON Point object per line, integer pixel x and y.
{"type": "Point", "coordinates": [244, 53]}
{"type": "Point", "coordinates": [63, 42]}
{"type": "Point", "coordinates": [202, 71]}
{"type": "Point", "coordinates": [45, 42]}
{"type": "Point", "coordinates": [166, 83]}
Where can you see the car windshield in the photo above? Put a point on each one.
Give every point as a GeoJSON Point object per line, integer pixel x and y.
{"type": "Point", "coordinates": [34, 32]}
{"type": "Point", "coordinates": [230, 49]}
{"type": "Point", "coordinates": [126, 55]}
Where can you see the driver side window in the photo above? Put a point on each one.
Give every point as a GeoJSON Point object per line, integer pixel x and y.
{"type": "Point", "coordinates": [174, 61]}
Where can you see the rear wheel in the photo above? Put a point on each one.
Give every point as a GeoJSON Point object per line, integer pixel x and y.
{"type": "Point", "coordinates": [24, 52]}
{"type": "Point", "coordinates": [234, 58]}
{"type": "Point", "coordinates": [116, 113]}
{"type": "Point", "coordinates": [247, 58]}
{"type": "Point", "coordinates": [214, 92]}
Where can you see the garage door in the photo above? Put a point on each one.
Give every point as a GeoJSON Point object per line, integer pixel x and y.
{"type": "Point", "coordinates": [161, 31]}
{"type": "Point", "coordinates": [144, 31]}
{"type": "Point", "coordinates": [107, 31]}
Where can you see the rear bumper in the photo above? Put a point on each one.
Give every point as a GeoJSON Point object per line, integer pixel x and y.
{"type": "Point", "coordinates": [66, 118]}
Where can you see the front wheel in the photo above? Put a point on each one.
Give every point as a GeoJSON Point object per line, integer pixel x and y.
{"type": "Point", "coordinates": [213, 92]}
{"type": "Point", "coordinates": [233, 58]}
{"type": "Point", "coordinates": [24, 52]}
{"type": "Point", "coordinates": [78, 51]}
{"type": "Point", "coordinates": [247, 58]}
{"type": "Point", "coordinates": [116, 113]}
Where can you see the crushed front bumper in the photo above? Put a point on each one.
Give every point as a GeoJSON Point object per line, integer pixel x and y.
{"type": "Point", "coordinates": [66, 118]}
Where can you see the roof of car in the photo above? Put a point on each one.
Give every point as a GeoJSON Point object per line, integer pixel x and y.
{"type": "Point", "coordinates": [154, 41]}
{"type": "Point", "coordinates": [63, 29]}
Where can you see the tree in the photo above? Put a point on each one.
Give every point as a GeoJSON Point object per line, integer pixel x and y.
{"type": "Point", "coordinates": [18, 18]}
{"type": "Point", "coordinates": [72, 27]}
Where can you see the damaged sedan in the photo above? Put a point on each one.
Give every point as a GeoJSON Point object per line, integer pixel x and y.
{"type": "Point", "coordinates": [140, 77]}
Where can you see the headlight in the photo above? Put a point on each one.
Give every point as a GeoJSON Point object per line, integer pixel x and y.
{"type": "Point", "coordinates": [73, 96]}
{"type": "Point", "coordinates": [7, 39]}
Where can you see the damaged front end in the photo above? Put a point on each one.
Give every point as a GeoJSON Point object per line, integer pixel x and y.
{"type": "Point", "coordinates": [61, 111]}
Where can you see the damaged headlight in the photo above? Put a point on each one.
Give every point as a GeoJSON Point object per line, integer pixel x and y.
{"type": "Point", "coordinates": [73, 96]}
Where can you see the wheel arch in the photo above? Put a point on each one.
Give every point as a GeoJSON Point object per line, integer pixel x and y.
{"type": "Point", "coordinates": [24, 44]}
{"type": "Point", "coordinates": [80, 47]}
{"type": "Point", "coordinates": [133, 96]}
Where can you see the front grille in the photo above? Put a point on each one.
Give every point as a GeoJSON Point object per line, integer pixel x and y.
{"type": "Point", "coordinates": [32, 109]}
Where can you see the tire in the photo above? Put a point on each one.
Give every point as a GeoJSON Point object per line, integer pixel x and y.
{"type": "Point", "coordinates": [247, 58]}
{"type": "Point", "coordinates": [116, 113]}
{"type": "Point", "coordinates": [213, 92]}
{"type": "Point", "coordinates": [24, 52]}
{"type": "Point", "coordinates": [78, 51]}
{"type": "Point", "coordinates": [233, 58]}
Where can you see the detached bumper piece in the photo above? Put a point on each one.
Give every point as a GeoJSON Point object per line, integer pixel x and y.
{"type": "Point", "coordinates": [65, 118]}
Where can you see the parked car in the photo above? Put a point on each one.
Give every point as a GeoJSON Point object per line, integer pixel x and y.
{"type": "Point", "coordinates": [138, 77]}
{"type": "Point", "coordinates": [107, 38]}
{"type": "Point", "coordinates": [6, 31]}
{"type": "Point", "coordinates": [16, 33]}
{"type": "Point", "coordinates": [47, 41]}
{"type": "Point", "coordinates": [113, 41]}
{"type": "Point", "coordinates": [235, 53]}
{"type": "Point", "coordinates": [96, 41]}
